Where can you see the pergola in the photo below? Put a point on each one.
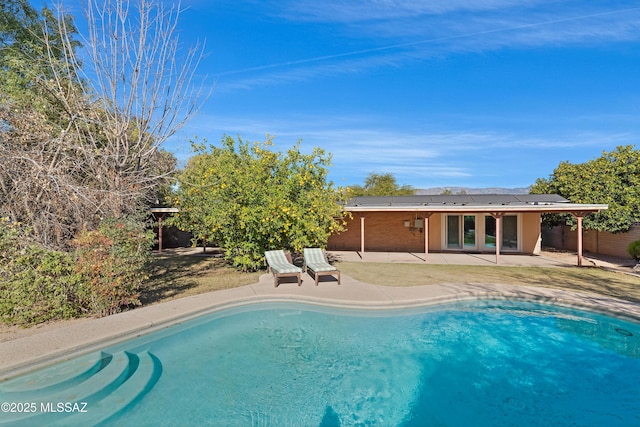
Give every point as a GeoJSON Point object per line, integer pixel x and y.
{"type": "Point", "coordinates": [160, 213]}
{"type": "Point", "coordinates": [491, 204]}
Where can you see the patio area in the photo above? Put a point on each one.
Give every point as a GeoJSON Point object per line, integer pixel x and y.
{"type": "Point", "coordinates": [545, 259]}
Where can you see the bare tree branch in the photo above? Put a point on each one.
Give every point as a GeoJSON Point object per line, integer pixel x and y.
{"type": "Point", "coordinates": [91, 147]}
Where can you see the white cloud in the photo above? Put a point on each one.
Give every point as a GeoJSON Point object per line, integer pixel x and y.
{"type": "Point", "coordinates": [394, 33]}
{"type": "Point", "coordinates": [421, 157]}
{"type": "Point", "coordinates": [370, 10]}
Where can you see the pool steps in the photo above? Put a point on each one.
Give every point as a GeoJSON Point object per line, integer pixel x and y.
{"type": "Point", "coordinates": [106, 383]}
{"type": "Point", "coordinates": [65, 376]}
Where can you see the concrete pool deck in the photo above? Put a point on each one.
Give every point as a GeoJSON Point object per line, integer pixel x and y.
{"type": "Point", "coordinates": [86, 335]}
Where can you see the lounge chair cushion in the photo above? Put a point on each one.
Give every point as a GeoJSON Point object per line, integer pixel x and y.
{"type": "Point", "coordinates": [277, 261]}
{"type": "Point", "coordinates": [315, 260]}
{"type": "Point", "coordinates": [321, 267]}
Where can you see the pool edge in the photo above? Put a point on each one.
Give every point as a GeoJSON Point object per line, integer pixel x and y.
{"type": "Point", "coordinates": [33, 352]}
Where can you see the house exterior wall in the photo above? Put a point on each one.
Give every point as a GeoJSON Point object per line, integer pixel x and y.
{"type": "Point", "coordinates": [386, 232]}
{"type": "Point", "coordinates": [596, 242]}
{"type": "Point", "coordinates": [531, 233]}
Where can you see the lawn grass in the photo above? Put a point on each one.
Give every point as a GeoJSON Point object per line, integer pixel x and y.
{"type": "Point", "coordinates": [176, 276]}
{"type": "Point", "coordinates": [585, 279]}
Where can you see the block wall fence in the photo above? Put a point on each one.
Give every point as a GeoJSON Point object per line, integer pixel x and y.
{"type": "Point", "coordinates": [596, 242]}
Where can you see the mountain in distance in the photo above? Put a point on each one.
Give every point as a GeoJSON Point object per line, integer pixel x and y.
{"type": "Point", "coordinates": [468, 190]}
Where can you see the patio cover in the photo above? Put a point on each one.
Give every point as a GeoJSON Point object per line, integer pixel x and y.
{"type": "Point", "coordinates": [496, 205]}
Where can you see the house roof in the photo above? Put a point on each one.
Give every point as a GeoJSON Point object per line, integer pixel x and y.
{"type": "Point", "coordinates": [470, 203]}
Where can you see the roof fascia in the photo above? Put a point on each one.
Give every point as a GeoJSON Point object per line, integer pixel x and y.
{"type": "Point", "coordinates": [559, 208]}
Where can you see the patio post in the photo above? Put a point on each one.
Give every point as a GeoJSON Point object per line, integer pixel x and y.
{"type": "Point", "coordinates": [579, 215]}
{"type": "Point", "coordinates": [160, 216]}
{"type": "Point", "coordinates": [427, 215]}
{"type": "Point", "coordinates": [579, 231]}
{"type": "Point", "coordinates": [362, 235]}
{"type": "Point", "coordinates": [498, 217]}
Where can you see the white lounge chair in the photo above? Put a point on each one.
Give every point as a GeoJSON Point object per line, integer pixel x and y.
{"type": "Point", "coordinates": [280, 264]}
{"type": "Point", "coordinates": [316, 261]}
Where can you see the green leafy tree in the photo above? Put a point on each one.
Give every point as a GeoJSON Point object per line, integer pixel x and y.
{"type": "Point", "coordinates": [249, 199]}
{"type": "Point", "coordinates": [612, 179]}
{"type": "Point", "coordinates": [31, 45]}
{"type": "Point", "coordinates": [380, 185]}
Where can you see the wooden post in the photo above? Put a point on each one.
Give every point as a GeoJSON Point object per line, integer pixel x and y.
{"type": "Point", "coordinates": [498, 217]}
{"type": "Point", "coordinates": [160, 216]}
{"type": "Point", "coordinates": [362, 235]}
{"type": "Point", "coordinates": [425, 224]}
{"type": "Point", "coordinates": [579, 215]}
{"type": "Point", "coordinates": [579, 231]}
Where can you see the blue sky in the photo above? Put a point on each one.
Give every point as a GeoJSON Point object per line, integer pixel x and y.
{"type": "Point", "coordinates": [477, 93]}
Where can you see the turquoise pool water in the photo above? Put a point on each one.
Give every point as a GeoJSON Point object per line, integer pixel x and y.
{"type": "Point", "coordinates": [481, 363]}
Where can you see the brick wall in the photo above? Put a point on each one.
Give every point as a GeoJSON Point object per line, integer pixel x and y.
{"type": "Point", "coordinates": [385, 231]}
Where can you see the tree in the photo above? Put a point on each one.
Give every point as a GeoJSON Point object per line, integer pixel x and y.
{"type": "Point", "coordinates": [380, 185]}
{"type": "Point", "coordinates": [80, 151]}
{"type": "Point", "coordinates": [249, 199]}
{"type": "Point", "coordinates": [613, 179]}
{"type": "Point", "coordinates": [25, 59]}
{"type": "Point", "coordinates": [85, 143]}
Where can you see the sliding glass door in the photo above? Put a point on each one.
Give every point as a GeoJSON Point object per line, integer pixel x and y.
{"type": "Point", "coordinates": [509, 234]}
{"type": "Point", "coordinates": [453, 232]}
{"type": "Point", "coordinates": [489, 232]}
{"type": "Point", "coordinates": [461, 232]}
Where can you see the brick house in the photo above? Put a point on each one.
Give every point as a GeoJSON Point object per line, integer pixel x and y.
{"type": "Point", "coordinates": [497, 223]}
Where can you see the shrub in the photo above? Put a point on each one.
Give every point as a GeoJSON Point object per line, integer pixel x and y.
{"type": "Point", "coordinates": [112, 263]}
{"type": "Point", "coordinates": [100, 277]}
{"type": "Point", "coordinates": [36, 284]}
{"type": "Point", "coordinates": [634, 249]}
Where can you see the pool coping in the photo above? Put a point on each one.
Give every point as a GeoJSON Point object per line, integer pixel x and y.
{"type": "Point", "coordinates": [32, 352]}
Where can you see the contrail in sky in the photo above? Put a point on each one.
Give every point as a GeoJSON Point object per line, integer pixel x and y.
{"type": "Point", "coordinates": [408, 44]}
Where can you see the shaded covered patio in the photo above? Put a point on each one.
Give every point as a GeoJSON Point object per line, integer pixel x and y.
{"type": "Point", "coordinates": [378, 224]}
{"type": "Point", "coordinates": [448, 258]}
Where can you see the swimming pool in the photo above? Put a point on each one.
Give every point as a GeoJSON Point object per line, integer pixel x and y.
{"type": "Point", "coordinates": [481, 363]}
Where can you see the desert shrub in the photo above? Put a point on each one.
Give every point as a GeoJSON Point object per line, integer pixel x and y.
{"type": "Point", "coordinates": [634, 249]}
{"type": "Point", "coordinates": [100, 276]}
{"type": "Point", "coordinates": [36, 284]}
{"type": "Point", "coordinates": [112, 264]}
